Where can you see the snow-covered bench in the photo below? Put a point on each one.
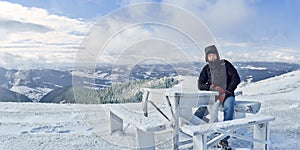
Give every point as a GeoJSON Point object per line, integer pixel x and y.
{"type": "Point", "coordinates": [145, 127]}
{"type": "Point", "coordinates": [201, 132]}
{"type": "Point", "coordinates": [185, 100]}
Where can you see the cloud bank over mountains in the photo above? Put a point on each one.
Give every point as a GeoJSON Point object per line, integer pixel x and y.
{"type": "Point", "coordinates": [34, 37]}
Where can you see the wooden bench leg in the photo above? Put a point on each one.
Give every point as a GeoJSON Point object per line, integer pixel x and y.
{"type": "Point", "coordinates": [145, 140]}
{"type": "Point", "coordinates": [200, 142]}
{"type": "Point", "coordinates": [145, 102]}
{"type": "Point", "coordinates": [261, 132]}
{"type": "Point", "coordinates": [116, 123]}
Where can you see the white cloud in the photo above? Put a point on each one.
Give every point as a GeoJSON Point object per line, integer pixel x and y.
{"type": "Point", "coordinates": [218, 15]}
{"type": "Point", "coordinates": [224, 17]}
{"type": "Point", "coordinates": [36, 36]}
{"type": "Point", "coordinates": [269, 54]}
{"type": "Point", "coordinates": [177, 32]}
{"type": "Point", "coordinates": [26, 29]}
{"type": "Point", "coordinates": [236, 44]}
{"type": "Point", "coordinates": [17, 26]}
{"type": "Point", "coordinates": [280, 55]}
{"type": "Point", "coordinates": [16, 12]}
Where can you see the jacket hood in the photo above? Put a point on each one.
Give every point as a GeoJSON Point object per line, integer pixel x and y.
{"type": "Point", "coordinates": [211, 50]}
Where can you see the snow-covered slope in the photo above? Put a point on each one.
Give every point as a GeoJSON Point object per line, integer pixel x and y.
{"type": "Point", "coordinates": [74, 126]}
{"type": "Point", "coordinates": [281, 84]}
{"type": "Point", "coordinates": [33, 93]}
{"type": "Point", "coordinates": [280, 97]}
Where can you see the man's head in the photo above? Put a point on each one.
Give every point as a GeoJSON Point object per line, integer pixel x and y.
{"type": "Point", "coordinates": [211, 53]}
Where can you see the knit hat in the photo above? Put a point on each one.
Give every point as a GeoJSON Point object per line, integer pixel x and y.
{"type": "Point", "coordinates": [211, 50]}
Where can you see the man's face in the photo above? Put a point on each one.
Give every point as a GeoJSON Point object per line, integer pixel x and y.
{"type": "Point", "coordinates": [212, 57]}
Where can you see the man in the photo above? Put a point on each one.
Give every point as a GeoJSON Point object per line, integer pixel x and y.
{"type": "Point", "coordinates": [219, 75]}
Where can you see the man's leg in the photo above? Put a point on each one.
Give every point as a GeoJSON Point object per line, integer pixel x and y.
{"type": "Point", "coordinates": [228, 111]}
{"type": "Point", "coordinates": [229, 108]}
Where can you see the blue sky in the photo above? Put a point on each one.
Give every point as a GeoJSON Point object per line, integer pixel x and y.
{"type": "Point", "coordinates": [41, 33]}
{"type": "Point", "coordinates": [87, 9]}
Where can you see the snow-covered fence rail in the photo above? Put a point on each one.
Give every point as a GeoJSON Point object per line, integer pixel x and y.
{"type": "Point", "coordinates": [145, 127]}
{"type": "Point", "coordinates": [227, 128]}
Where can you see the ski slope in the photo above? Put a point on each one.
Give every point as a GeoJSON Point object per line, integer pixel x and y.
{"type": "Point", "coordinates": [73, 126]}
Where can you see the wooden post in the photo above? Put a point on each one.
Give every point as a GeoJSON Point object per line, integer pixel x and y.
{"type": "Point", "coordinates": [145, 102]}
{"type": "Point", "coordinates": [176, 124]}
{"type": "Point", "coordinates": [116, 123]}
{"type": "Point", "coordinates": [261, 132]}
{"type": "Point", "coordinates": [200, 142]}
{"type": "Point", "coordinates": [145, 140]}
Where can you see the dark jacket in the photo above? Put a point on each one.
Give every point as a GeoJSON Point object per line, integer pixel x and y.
{"type": "Point", "coordinates": [223, 74]}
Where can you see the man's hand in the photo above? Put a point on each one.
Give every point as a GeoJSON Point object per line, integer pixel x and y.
{"type": "Point", "coordinates": [221, 91]}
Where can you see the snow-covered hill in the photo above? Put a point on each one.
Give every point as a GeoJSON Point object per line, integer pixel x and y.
{"type": "Point", "coordinates": [281, 84]}
{"type": "Point", "coordinates": [280, 97]}
{"type": "Point", "coordinates": [34, 94]}
{"type": "Point", "coordinates": [74, 126]}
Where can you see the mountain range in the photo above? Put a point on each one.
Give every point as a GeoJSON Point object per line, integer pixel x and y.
{"type": "Point", "coordinates": [37, 83]}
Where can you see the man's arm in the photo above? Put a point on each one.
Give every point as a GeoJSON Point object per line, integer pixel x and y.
{"type": "Point", "coordinates": [203, 81]}
{"type": "Point", "coordinates": [234, 78]}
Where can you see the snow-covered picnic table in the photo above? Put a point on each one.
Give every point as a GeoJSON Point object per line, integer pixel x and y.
{"type": "Point", "coordinates": [176, 106]}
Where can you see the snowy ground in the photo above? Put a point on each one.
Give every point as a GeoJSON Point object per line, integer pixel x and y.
{"type": "Point", "coordinates": [72, 126]}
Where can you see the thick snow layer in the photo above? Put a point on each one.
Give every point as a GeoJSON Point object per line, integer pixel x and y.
{"type": "Point", "coordinates": [74, 126]}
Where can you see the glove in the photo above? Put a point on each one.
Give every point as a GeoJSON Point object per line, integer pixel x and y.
{"type": "Point", "coordinates": [221, 91]}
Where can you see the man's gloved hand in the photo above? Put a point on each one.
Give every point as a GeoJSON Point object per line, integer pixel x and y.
{"type": "Point", "coordinates": [221, 91]}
